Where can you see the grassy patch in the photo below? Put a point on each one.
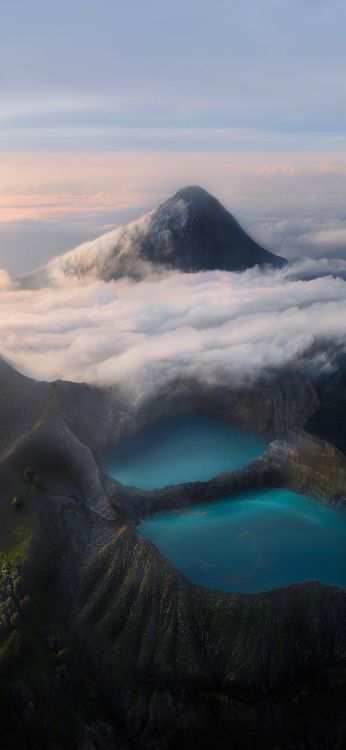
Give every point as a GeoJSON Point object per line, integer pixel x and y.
{"type": "Point", "coordinates": [14, 549]}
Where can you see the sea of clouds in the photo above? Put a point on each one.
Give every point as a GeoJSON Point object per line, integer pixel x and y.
{"type": "Point", "coordinates": [216, 326]}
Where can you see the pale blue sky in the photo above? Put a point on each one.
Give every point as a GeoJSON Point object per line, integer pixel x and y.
{"type": "Point", "coordinates": [251, 82]}
{"type": "Point", "coordinates": [274, 67]}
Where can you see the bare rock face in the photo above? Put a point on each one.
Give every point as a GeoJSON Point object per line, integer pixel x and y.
{"type": "Point", "coordinates": [313, 467]}
{"type": "Point", "coordinates": [192, 231]}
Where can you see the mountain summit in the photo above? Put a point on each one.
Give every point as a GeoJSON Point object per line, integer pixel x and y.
{"type": "Point", "coordinates": [198, 233]}
{"type": "Point", "coordinates": [191, 231]}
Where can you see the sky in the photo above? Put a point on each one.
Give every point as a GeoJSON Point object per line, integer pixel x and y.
{"type": "Point", "coordinates": [109, 107]}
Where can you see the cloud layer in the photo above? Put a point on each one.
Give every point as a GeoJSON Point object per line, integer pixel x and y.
{"type": "Point", "coordinates": [215, 326]}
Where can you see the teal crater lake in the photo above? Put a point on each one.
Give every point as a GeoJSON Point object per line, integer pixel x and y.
{"type": "Point", "coordinates": [253, 541]}
{"type": "Point", "coordinates": [183, 448]}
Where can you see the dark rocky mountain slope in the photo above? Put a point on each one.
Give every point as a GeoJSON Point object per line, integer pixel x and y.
{"type": "Point", "coordinates": [104, 645]}
{"type": "Point", "coordinates": [197, 233]}
{"type": "Point", "coordinates": [191, 231]}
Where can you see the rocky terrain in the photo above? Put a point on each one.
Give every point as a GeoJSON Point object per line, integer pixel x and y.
{"type": "Point", "coordinates": [103, 644]}
{"type": "Point", "coordinates": [191, 231]}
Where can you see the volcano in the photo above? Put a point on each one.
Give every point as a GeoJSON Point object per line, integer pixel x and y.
{"type": "Point", "coordinates": [190, 232]}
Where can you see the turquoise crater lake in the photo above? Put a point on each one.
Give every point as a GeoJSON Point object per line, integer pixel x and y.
{"type": "Point", "coordinates": [254, 541]}
{"type": "Point", "coordinates": [183, 448]}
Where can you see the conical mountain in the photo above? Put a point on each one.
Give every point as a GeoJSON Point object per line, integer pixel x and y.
{"type": "Point", "coordinates": [191, 231]}
{"type": "Point", "coordinates": [198, 233]}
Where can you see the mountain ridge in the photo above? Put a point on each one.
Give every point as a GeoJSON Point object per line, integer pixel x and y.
{"type": "Point", "coordinates": [191, 231]}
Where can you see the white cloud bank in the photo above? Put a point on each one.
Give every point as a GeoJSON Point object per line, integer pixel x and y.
{"type": "Point", "coordinates": [213, 325]}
